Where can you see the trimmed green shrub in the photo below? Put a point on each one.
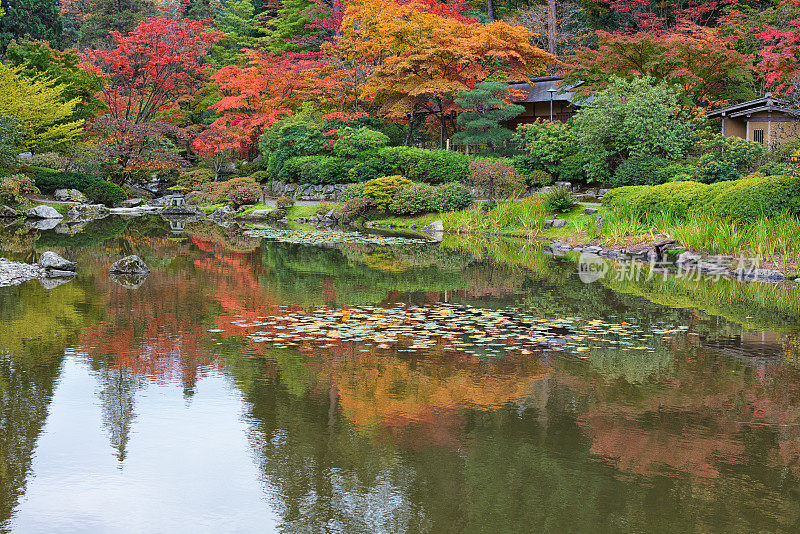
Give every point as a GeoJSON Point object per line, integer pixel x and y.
{"type": "Point", "coordinates": [48, 180]}
{"type": "Point", "coordinates": [413, 200]}
{"type": "Point", "coordinates": [744, 199]}
{"type": "Point", "coordinates": [371, 168]}
{"type": "Point", "coordinates": [316, 170]}
{"type": "Point", "coordinates": [641, 170]}
{"type": "Point", "coordinates": [451, 197]}
{"type": "Point", "coordinates": [381, 190]}
{"type": "Point", "coordinates": [425, 165]}
{"type": "Point", "coordinates": [104, 192]}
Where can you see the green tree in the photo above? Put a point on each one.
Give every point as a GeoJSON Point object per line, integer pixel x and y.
{"type": "Point", "coordinates": [486, 113]}
{"type": "Point", "coordinates": [291, 25]}
{"type": "Point", "coordinates": [112, 15]}
{"type": "Point", "coordinates": [35, 19]}
{"type": "Point", "coordinates": [11, 139]}
{"type": "Point", "coordinates": [635, 118]}
{"type": "Point", "coordinates": [38, 58]}
{"type": "Point", "coordinates": [236, 20]}
{"type": "Point", "coordinates": [39, 105]}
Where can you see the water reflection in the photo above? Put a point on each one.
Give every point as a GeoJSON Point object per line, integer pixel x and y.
{"type": "Point", "coordinates": [134, 407]}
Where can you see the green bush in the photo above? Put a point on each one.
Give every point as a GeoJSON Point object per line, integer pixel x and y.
{"type": "Point", "coordinates": [261, 176]}
{"type": "Point", "coordinates": [641, 170]}
{"type": "Point", "coordinates": [425, 165]}
{"type": "Point", "coordinates": [317, 170]}
{"type": "Point", "coordinates": [382, 190]}
{"type": "Point", "coordinates": [744, 199]}
{"type": "Point", "coordinates": [539, 178]}
{"type": "Point", "coordinates": [48, 180]}
{"type": "Point", "coordinates": [353, 142]}
{"type": "Point", "coordinates": [710, 169]}
{"type": "Point", "coordinates": [14, 189]}
{"type": "Point", "coordinates": [95, 188]}
{"type": "Point", "coordinates": [413, 200]}
{"type": "Point", "coordinates": [104, 192]}
{"type": "Point", "coordinates": [191, 180]}
{"type": "Point", "coordinates": [373, 167]}
{"type": "Point", "coordinates": [453, 196]}
{"type": "Point", "coordinates": [552, 147]}
{"type": "Point", "coordinates": [558, 200]}
{"type": "Point", "coordinates": [752, 197]}
{"type": "Point", "coordinates": [352, 191]}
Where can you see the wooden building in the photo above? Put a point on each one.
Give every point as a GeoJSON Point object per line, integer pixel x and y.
{"type": "Point", "coordinates": [767, 120]}
{"type": "Point", "coordinates": [535, 97]}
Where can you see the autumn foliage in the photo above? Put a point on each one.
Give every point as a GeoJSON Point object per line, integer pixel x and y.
{"type": "Point", "coordinates": [154, 68]}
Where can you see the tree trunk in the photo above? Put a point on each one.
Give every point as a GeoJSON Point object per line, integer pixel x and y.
{"type": "Point", "coordinates": [490, 9]}
{"type": "Point", "coordinates": [410, 132]}
{"type": "Point", "coordinates": [551, 26]}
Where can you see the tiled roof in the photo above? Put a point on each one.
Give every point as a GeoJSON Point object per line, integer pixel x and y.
{"type": "Point", "coordinates": [538, 89]}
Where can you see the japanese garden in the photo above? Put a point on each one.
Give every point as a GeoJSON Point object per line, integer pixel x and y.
{"type": "Point", "coordinates": [399, 266]}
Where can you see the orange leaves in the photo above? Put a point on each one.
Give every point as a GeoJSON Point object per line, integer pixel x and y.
{"type": "Point", "coordinates": [423, 57]}
{"type": "Point", "coordinates": [269, 87]}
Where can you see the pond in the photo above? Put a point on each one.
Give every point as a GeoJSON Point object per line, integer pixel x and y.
{"type": "Point", "coordinates": [274, 380]}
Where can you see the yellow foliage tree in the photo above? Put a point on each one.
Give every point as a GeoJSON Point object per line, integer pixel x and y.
{"type": "Point", "coordinates": [40, 106]}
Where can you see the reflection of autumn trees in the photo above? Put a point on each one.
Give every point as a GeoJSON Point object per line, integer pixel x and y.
{"type": "Point", "coordinates": [693, 419]}
{"type": "Point", "coordinates": [158, 331]}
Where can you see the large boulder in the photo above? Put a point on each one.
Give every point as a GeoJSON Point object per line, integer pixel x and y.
{"type": "Point", "coordinates": [132, 264]}
{"type": "Point", "coordinates": [435, 226]}
{"type": "Point", "coordinates": [261, 213]}
{"type": "Point", "coordinates": [8, 212]}
{"type": "Point", "coordinates": [43, 212]}
{"type": "Point", "coordinates": [50, 261]}
{"type": "Point", "coordinates": [69, 195]}
{"type": "Point", "coordinates": [225, 212]}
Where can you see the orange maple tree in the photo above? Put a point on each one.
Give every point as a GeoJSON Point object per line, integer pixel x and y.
{"type": "Point", "coordinates": [424, 58]}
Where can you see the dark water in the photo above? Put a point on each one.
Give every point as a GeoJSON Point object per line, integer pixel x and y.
{"type": "Point", "coordinates": [152, 409]}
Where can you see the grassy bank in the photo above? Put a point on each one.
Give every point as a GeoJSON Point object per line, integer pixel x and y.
{"type": "Point", "coordinates": [773, 239]}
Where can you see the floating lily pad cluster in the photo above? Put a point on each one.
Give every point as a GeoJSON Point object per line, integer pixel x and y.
{"type": "Point", "coordinates": [443, 326]}
{"type": "Point", "coordinates": [319, 237]}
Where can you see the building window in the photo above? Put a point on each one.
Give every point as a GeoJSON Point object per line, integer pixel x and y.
{"type": "Point", "coordinates": [758, 136]}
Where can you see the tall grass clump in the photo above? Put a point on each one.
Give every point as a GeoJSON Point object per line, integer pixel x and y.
{"type": "Point", "coordinates": [526, 215]}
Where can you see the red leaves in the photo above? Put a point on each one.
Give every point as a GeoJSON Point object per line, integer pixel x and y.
{"type": "Point", "coordinates": [781, 56]}
{"type": "Point", "coordinates": [269, 87]}
{"type": "Point", "coordinates": [157, 65]}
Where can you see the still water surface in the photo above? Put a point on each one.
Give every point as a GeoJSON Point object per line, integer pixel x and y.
{"type": "Point", "coordinates": [223, 394]}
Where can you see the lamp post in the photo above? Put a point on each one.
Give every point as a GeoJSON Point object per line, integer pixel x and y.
{"type": "Point", "coordinates": [552, 91]}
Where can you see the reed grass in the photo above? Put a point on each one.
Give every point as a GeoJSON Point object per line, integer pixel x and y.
{"type": "Point", "coordinates": [775, 239]}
